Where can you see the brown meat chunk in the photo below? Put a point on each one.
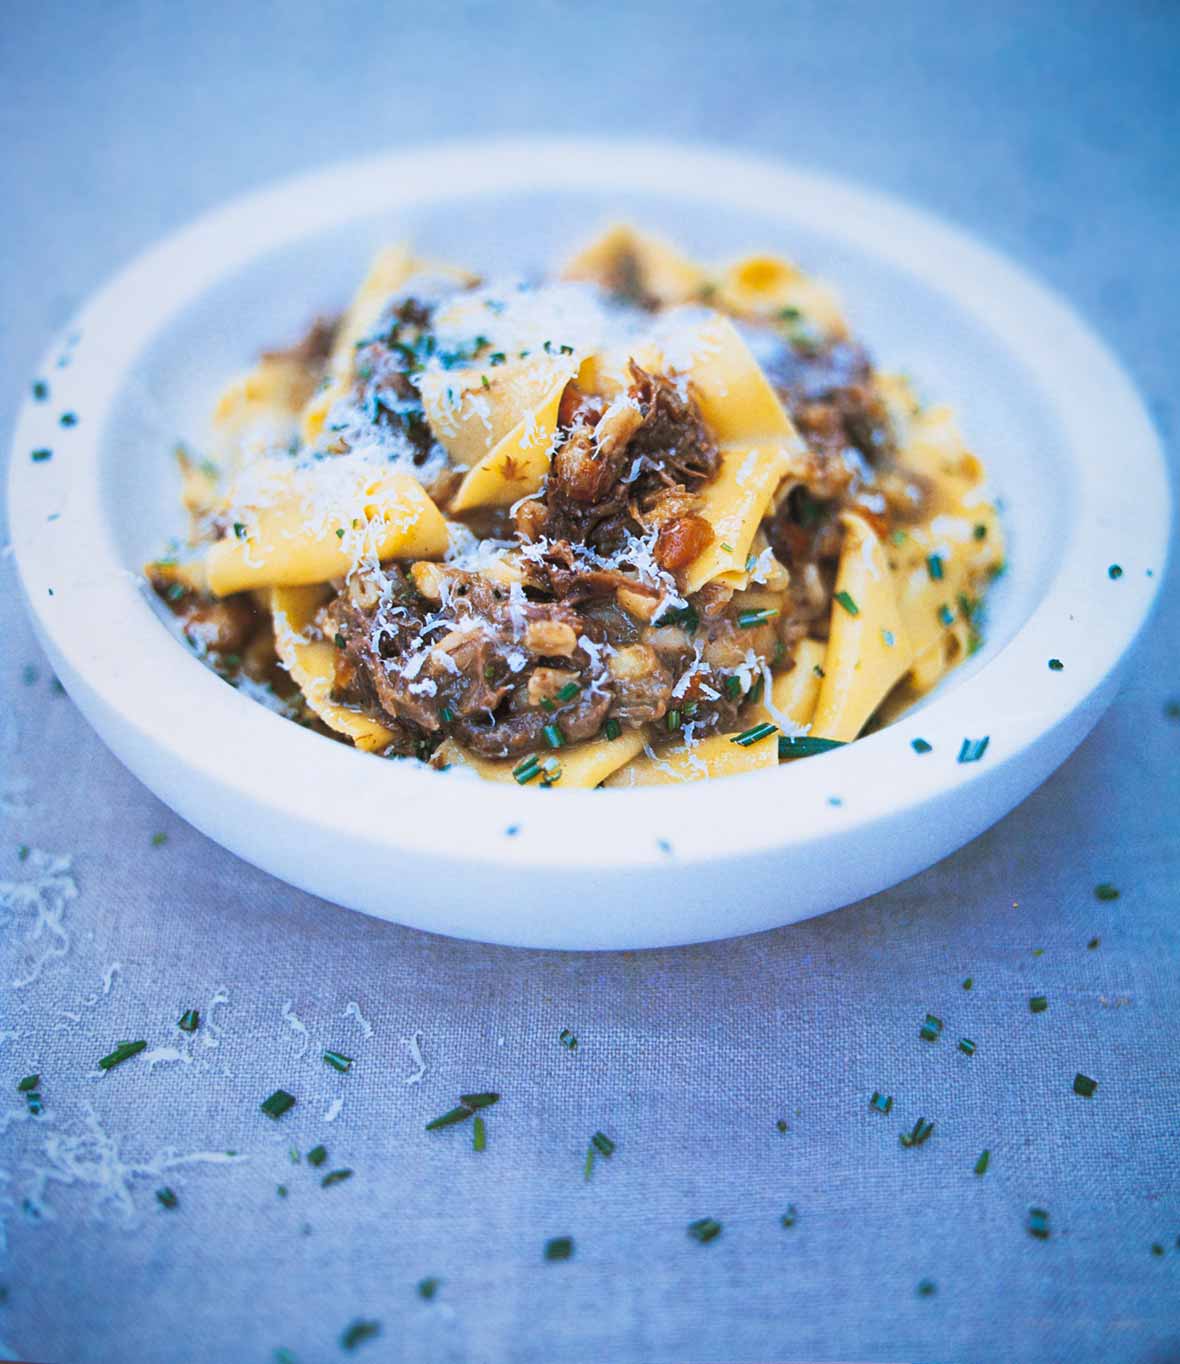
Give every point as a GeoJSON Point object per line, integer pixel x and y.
{"type": "Point", "coordinates": [658, 444]}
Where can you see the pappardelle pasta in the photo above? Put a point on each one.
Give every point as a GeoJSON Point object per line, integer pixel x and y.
{"type": "Point", "coordinates": [646, 522]}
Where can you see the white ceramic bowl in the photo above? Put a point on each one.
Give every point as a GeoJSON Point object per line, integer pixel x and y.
{"type": "Point", "coordinates": [1069, 447]}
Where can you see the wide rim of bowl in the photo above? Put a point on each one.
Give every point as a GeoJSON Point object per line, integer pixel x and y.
{"type": "Point", "coordinates": [91, 610]}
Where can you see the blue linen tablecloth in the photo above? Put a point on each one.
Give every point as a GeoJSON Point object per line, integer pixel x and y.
{"type": "Point", "coordinates": [1048, 130]}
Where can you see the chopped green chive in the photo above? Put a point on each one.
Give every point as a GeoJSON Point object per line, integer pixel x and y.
{"type": "Point", "coordinates": [568, 692]}
{"type": "Point", "coordinates": [174, 591]}
{"type": "Point", "coordinates": [526, 771]}
{"type": "Point", "coordinates": [427, 1288]}
{"type": "Point", "coordinates": [782, 1125]}
{"type": "Point", "coordinates": [946, 615]}
{"type": "Point", "coordinates": [818, 671]}
{"type": "Point", "coordinates": [40, 390]}
{"type": "Point", "coordinates": [284, 1356]}
{"type": "Point", "coordinates": [1038, 1223]}
{"type": "Point", "coordinates": [478, 1100]}
{"type": "Point", "coordinates": [553, 736]}
{"type": "Point", "coordinates": [847, 603]}
{"type": "Point", "coordinates": [1093, 943]}
{"type": "Point", "coordinates": [358, 1332]}
{"type": "Point", "coordinates": [317, 1155]}
{"type": "Point", "coordinates": [805, 745]}
{"type": "Point", "coordinates": [603, 1144]}
{"type": "Point", "coordinates": [931, 1030]}
{"type": "Point", "coordinates": [189, 1021]}
{"type": "Point", "coordinates": [29, 1082]}
{"type": "Point", "coordinates": [967, 1046]}
{"type": "Point", "coordinates": [973, 749]}
{"type": "Point", "coordinates": [1105, 891]}
{"type": "Point", "coordinates": [446, 714]}
{"type": "Point", "coordinates": [166, 1198]}
{"type": "Point", "coordinates": [969, 982]}
{"type": "Point", "coordinates": [479, 1134]}
{"type": "Point", "coordinates": [559, 1248]}
{"type": "Point", "coordinates": [759, 617]}
{"type": "Point", "coordinates": [934, 567]}
{"type": "Point", "coordinates": [483, 379]}
{"type": "Point", "coordinates": [68, 419]}
{"type": "Point", "coordinates": [681, 615]}
{"type": "Point", "coordinates": [335, 1177]}
{"type": "Point", "coordinates": [1083, 1085]}
{"type": "Point", "coordinates": [755, 734]}
{"type": "Point", "coordinates": [881, 1102]}
{"type": "Point", "coordinates": [1038, 1004]}
{"type": "Point", "coordinates": [278, 1104]}
{"type": "Point", "coordinates": [704, 1230]}
{"type": "Point", "coordinates": [240, 530]}
{"type": "Point", "coordinates": [337, 1060]}
{"type": "Point", "coordinates": [612, 729]}
{"type": "Point", "coordinates": [340, 533]}
{"type": "Point", "coordinates": [921, 746]}
{"type": "Point", "coordinates": [1114, 571]}
{"type": "Point", "coordinates": [791, 1216]}
{"type": "Point", "coordinates": [980, 531]}
{"type": "Point", "coordinates": [733, 687]}
{"type": "Point", "coordinates": [1156, 1248]}
{"type": "Point", "coordinates": [124, 1051]}
{"type": "Point", "coordinates": [567, 1040]}
{"type": "Point", "coordinates": [919, 1133]}
{"type": "Point", "coordinates": [33, 1102]}
{"type": "Point", "coordinates": [41, 455]}
{"type": "Point", "coordinates": [1056, 665]}
{"type": "Point", "coordinates": [450, 1118]}
{"type": "Point", "coordinates": [158, 840]}
{"type": "Point", "coordinates": [927, 1288]}
{"type": "Point", "coordinates": [672, 720]}
{"type": "Point", "coordinates": [982, 1163]}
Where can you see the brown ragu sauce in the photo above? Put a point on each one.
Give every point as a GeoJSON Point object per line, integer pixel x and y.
{"type": "Point", "coordinates": [581, 642]}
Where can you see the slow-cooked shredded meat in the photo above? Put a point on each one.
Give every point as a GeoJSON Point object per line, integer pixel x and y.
{"type": "Point", "coordinates": [212, 625]}
{"type": "Point", "coordinates": [559, 572]}
{"type": "Point", "coordinates": [385, 366]}
{"type": "Point", "coordinates": [850, 462]}
{"type": "Point", "coordinates": [313, 348]}
{"type": "Point", "coordinates": [625, 469]}
{"type": "Point", "coordinates": [673, 438]}
{"type": "Point", "coordinates": [463, 665]}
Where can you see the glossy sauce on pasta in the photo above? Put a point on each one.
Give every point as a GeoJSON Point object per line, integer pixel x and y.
{"type": "Point", "coordinates": [647, 522]}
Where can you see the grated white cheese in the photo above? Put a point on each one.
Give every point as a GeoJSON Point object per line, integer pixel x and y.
{"type": "Point", "coordinates": [353, 1010]}
{"type": "Point", "coordinates": [413, 1044]}
{"type": "Point", "coordinates": [89, 1157]}
{"type": "Point", "coordinates": [38, 905]}
{"type": "Point", "coordinates": [295, 1023]}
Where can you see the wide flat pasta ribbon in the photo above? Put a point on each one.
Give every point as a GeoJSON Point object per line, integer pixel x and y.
{"type": "Point", "coordinates": [312, 665]}
{"type": "Point", "coordinates": [583, 765]}
{"type": "Point", "coordinates": [868, 648]}
{"type": "Point", "coordinates": [313, 522]}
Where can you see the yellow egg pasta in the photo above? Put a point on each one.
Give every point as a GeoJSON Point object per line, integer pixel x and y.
{"type": "Point", "coordinates": [646, 521]}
